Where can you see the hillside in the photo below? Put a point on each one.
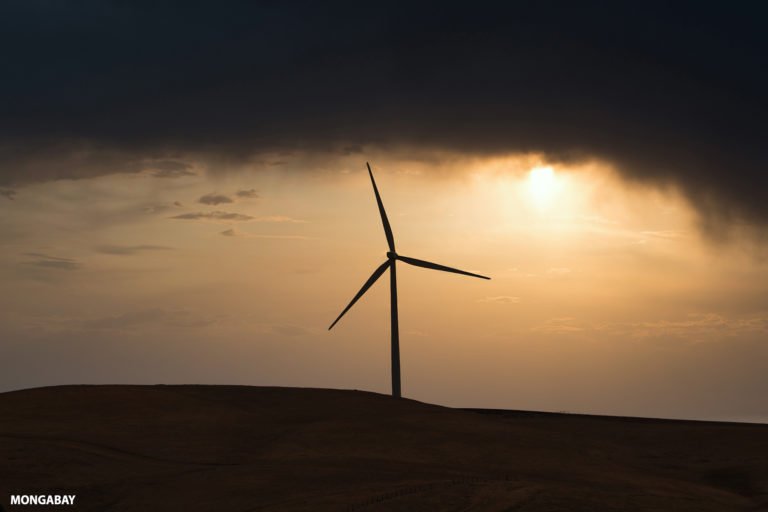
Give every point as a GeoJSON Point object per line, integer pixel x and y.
{"type": "Point", "coordinates": [238, 448]}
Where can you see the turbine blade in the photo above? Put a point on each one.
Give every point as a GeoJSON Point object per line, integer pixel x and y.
{"type": "Point", "coordinates": [435, 266]}
{"type": "Point", "coordinates": [376, 274]}
{"type": "Point", "coordinates": [384, 220]}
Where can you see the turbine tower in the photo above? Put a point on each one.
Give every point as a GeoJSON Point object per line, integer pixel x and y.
{"type": "Point", "coordinates": [390, 263]}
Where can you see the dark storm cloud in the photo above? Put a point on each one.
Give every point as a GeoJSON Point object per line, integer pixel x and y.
{"type": "Point", "coordinates": [212, 216]}
{"type": "Point", "coordinates": [7, 193]}
{"type": "Point", "coordinates": [215, 199]}
{"type": "Point", "coordinates": [673, 93]}
{"type": "Point", "coordinates": [127, 250]}
{"type": "Point", "coordinates": [54, 262]}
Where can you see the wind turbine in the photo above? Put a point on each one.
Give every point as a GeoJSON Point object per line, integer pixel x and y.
{"type": "Point", "coordinates": [390, 263]}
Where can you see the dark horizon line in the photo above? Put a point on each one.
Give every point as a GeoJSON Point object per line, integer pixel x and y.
{"type": "Point", "coordinates": [477, 410]}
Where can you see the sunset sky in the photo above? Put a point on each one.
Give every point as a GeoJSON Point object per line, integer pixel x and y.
{"type": "Point", "coordinates": [184, 199]}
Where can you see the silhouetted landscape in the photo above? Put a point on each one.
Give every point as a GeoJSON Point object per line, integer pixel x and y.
{"type": "Point", "coordinates": [239, 448]}
{"type": "Point", "coordinates": [184, 200]}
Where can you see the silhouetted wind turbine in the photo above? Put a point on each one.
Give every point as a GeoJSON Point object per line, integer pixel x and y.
{"type": "Point", "coordinates": [392, 258]}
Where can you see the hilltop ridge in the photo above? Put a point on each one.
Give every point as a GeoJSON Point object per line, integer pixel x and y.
{"type": "Point", "coordinates": [242, 448]}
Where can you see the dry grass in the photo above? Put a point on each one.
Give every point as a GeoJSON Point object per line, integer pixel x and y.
{"type": "Point", "coordinates": [234, 448]}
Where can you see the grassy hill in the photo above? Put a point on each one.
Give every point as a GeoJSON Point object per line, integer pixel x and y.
{"type": "Point", "coordinates": [238, 448]}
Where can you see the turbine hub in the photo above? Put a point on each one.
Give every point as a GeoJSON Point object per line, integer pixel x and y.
{"type": "Point", "coordinates": [392, 255]}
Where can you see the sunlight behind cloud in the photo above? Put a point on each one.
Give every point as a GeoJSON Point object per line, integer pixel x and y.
{"type": "Point", "coordinates": [543, 187]}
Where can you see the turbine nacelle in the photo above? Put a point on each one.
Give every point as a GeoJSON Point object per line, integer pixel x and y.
{"type": "Point", "coordinates": [392, 255]}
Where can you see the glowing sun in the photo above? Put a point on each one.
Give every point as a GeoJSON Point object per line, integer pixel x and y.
{"type": "Point", "coordinates": [542, 186]}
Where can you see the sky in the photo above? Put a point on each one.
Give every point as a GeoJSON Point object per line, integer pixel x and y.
{"type": "Point", "coordinates": [184, 199]}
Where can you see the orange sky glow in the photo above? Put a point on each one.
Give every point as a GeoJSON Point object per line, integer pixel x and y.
{"type": "Point", "coordinates": [606, 296]}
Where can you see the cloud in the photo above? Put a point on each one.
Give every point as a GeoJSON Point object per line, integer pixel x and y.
{"type": "Point", "coordinates": [693, 327]}
{"type": "Point", "coordinates": [561, 325]}
{"type": "Point", "coordinates": [126, 250]}
{"type": "Point", "coordinates": [214, 199]}
{"type": "Point", "coordinates": [53, 262]}
{"type": "Point", "coordinates": [168, 173]}
{"type": "Point", "coordinates": [665, 234]}
{"type": "Point", "coordinates": [7, 193]}
{"type": "Point", "coordinates": [232, 232]}
{"type": "Point", "coordinates": [501, 299]}
{"type": "Point", "coordinates": [171, 169]}
{"type": "Point", "coordinates": [217, 215]}
{"type": "Point", "coordinates": [152, 316]}
{"type": "Point", "coordinates": [160, 207]}
{"type": "Point", "coordinates": [279, 218]}
{"type": "Point", "coordinates": [556, 272]}
{"type": "Point", "coordinates": [247, 194]}
{"type": "Point", "coordinates": [680, 105]}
